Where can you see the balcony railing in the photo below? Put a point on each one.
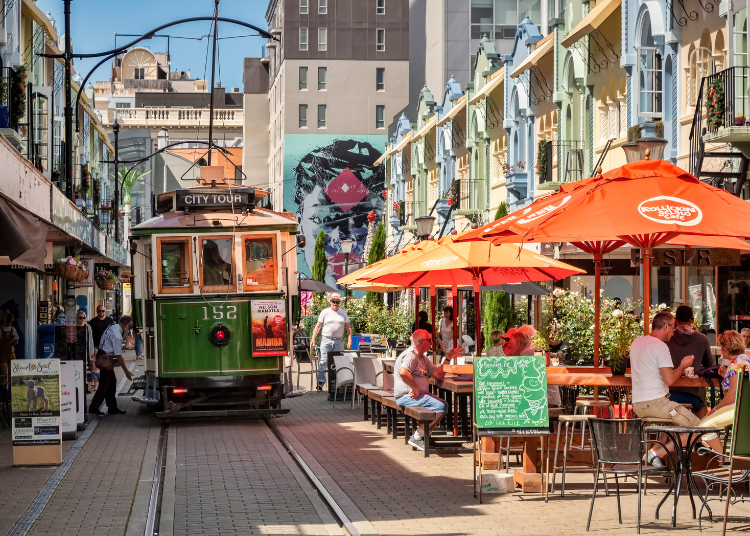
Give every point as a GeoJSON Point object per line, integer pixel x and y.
{"type": "Point", "coordinates": [734, 83]}
{"type": "Point", "coordinates": [564, 162]}
{"type": "Point", "coordinates": [195, 117]}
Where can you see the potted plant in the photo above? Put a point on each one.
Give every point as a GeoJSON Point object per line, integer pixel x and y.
{"type": "Point", "coordinates": [4, 110]}
{"type": "Point", "coordinates": [105, 279]}
{"type": "Point", "coordinates": [18, 96]}
{"type": "Point", "coordinates": [623, 328]}
{"type": "Point", "coordinates": [70, 268]}
{"type": "Point", "coordinates": [739, 120]}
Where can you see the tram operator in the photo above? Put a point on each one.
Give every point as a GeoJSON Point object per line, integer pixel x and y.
{"type": "Point", "coordinates": [332, 321]}
{"type": "Point", "coordinates": [216, 271]}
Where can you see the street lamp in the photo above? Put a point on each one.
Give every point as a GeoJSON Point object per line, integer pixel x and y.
{"type": "Point", "coordinates": [654, 145]}
{"type": "Point", "coordinates": [346, 248]}
{"type": "Point", "coordinates": [424, 226]}
{"type": "Point", "coordinates": [116, 204]}
{"type": "Point", "coordinates": [632, 151]}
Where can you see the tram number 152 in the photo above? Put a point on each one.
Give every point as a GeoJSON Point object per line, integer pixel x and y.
{"type": "Point", "coordinates": [219, 310]}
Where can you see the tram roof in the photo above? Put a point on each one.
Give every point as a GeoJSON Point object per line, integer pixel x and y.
{"type": "Point", "coordinates": [261, 219]}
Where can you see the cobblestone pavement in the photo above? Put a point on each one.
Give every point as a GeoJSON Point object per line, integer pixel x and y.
{"type": "Point", "coordinates": [403, 493]}
{"type": "Point", "coordinates": [231, 479]}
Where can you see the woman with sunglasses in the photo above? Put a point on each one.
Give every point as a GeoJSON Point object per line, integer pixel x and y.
{"type": "Point", "coordinates": [332, 321]}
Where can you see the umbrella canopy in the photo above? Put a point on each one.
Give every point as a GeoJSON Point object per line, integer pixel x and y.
{"type": "Point", "coordinates": [475, 263]}
{"type": "Point", "coordinates": [403, 256]}
{"type": "Point", "coordinates": [312, 285]}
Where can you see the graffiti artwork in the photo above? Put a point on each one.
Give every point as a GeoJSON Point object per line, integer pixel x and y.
{"type": "Point", "coordinates": [333, 186]}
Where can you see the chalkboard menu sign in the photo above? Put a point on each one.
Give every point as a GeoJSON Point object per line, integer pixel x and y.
{"type": "Point", "coordinates": [510, 395]}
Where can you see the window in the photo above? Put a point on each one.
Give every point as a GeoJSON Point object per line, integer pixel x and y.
{"type": "Point", "coordinates": [379, 116]}
{"type": "Point", "coordinates": [216, 264]}
{"type": "Point", "coordinates": [122, 105]}
{"type": "Point", "coordinates": [649, 82]}
{"type": "Point", "coordinates": [323, 7]}
{"type": "Point", "coordinates": [380, 40]}
{"type": "Point", "coordinates": [740, 59]}
{"type": "Point", "coordinates": [322, 39]}
{"type": "Point", "coordinates": [499, 19]}
{"type": "Point", "coordinates": [322, 72]}
{"type": "Point", "coordinates": [303, 78]}
{"type": "Point", "coordinates": [303, 116]}
{"type": "Point", "coordinates": [139, 73]}
{"type": "Point", "coordinates": [303, 38]}
{"type": "Point", "coordinates": [701, 65]}
{"type": "Point", "coordinates": [380, 7]}
{"type": "Point", "coordinates": [303, 7]}
{"type": "Point", "coordinates": [380, 79]}
{"type": "Point", "coordinates": [321, 116]}
{"type": "Point", "coordinates": [175, 265]}
{"type": "Point", "coordinates": [260, 263]}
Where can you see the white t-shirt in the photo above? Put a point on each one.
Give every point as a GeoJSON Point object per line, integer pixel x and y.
{"type": "Point", "coordinates": [446, 331]}
{"type": "Point", "coordinates": [333, 322]}
{"type": "Point", "coordinates": [647, 355]}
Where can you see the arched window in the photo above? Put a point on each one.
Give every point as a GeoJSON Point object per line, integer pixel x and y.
{"type": "Point", "coordinates": [649, 73]}
{"type": "Point", "coordinates": [701, 65]}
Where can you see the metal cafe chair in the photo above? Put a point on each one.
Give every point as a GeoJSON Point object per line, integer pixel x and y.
{"type": "Point", "coordinates": [344, 375]}
{"type": "Point", "coordinates": [619, 451]}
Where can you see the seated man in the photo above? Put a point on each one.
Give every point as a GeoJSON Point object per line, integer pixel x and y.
{"type": "Point", "coordinates": [687, 340]}
{"type": "Point", "coordinates": [411, 385]}
{"type": "Point", "coordinates": [652, 375]}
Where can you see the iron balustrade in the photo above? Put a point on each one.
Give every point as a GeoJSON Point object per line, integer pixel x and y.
{"type": "Point", "coordinates": [564, 162]}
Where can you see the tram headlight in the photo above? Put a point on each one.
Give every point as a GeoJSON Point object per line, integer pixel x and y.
{"type": "Point", "coordinates": [219, 335]}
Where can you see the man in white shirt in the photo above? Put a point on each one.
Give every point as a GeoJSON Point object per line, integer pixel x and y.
{"type": "Point", "coordinates": [652, 374]}
{"type": "Point", "coordinates": [111, 344]}
{"type": "Point", "coordinates": [332, 321]}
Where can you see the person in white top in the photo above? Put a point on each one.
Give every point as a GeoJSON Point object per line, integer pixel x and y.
{"type": "Point", "coordinates": [652, 374]}
{"type": "Point", "coordinates": [111, 344]}
{"type": "Point", "coordinates": [446, 330]}
{"type": "Point", "coordinates": [332, 321]}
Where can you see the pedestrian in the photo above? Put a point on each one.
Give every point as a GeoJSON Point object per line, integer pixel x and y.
{"type": "Point", "coordinates": [423, 323]}
{"type": "Point", "coordinates": [87, 342]}
{"type": "Point", "coordinates": [111, 345]}
{"type": "Point", "coordinates": [446, 330]}
{"type": "Point", "coordinates": [653, 373]}
{"type": "Point", "coordinates": [745, 333]}
{"type": "Point", "coordinates": [411, 381]}
{"type": "Point", "coordinates": [497, 343]}
{"type": "Point", "coordinates": [8, 342]}
{"type": "Point", "coordinates": [100, 324]}
{"type": "Point", "coordinates": [687, 340]}
{"type": "Point", "coordinates": [332, 321]}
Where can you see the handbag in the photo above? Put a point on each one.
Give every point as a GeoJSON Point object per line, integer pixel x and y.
{"type": "Point", "coordinates": [104, 361]}
{"type": "Point", "coordinates": [130, 342]}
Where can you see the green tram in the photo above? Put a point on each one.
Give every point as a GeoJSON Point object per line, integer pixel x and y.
{"type": "Point", "coordinates": [212, 292]}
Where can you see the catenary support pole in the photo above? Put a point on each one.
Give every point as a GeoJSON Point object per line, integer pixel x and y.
{"type": "Point", "coordinates": [68, 108]}
{"type": "Point", "coordinates": [211, 89]}
{"type": "Point", "coordinates": [434, 327]}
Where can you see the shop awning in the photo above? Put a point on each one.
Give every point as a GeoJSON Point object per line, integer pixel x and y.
{"type": "Point", "coordinates": [24, 236]}
{"type": "Point", "coordinates": [400, 147]}
{"type": "Point", "coordinates": [591, 21]}
{"type": "Point", "coordinates": [460, 105]}
{"type": "Point", "coordinates": [425, 129]}
{"type": "Point", "coordinates": [543, 48]}
{"type": "Point", "coordinates": [497, 78]}
{"type": "Point", "coordinates": [31, 10]}
{"type": "Point", "coordinates": [383, 156]}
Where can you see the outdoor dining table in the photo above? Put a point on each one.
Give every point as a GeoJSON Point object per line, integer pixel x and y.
{"type": "Point", "coordinates": [683, 465]}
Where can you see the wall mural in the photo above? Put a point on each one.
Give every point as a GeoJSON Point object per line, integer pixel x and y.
{"type": "Point", "coordinates": [331, 184]}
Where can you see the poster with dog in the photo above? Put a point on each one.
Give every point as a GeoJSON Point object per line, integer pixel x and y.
{"type": "Point", "coordinates": [35, 398]}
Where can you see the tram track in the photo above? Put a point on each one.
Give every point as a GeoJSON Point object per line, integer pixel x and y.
{"type": "Point", "coordinates": [167, 434]}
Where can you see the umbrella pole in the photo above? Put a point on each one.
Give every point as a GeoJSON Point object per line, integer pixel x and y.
{"type": "Point", "coordinates": [597, 304]}
{"type": "Point", "coordinates": [478, 321]}
{"type": "Point", "coordinates": [434, 338]}
{"type": "Point", "coordinates": [454, 291]}
{"type": "Point", "coordinates": [646, 256]}
{"type": "Point", "coordinates": [416, 309]}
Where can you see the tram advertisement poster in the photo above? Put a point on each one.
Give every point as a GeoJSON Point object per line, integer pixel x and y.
{"type": "Point", "coordinates": [35, 398]}
{"type": "Point", "coordinates": [270, 330]}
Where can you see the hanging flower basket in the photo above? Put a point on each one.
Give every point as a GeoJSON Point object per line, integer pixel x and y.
{"type": "Point", "coordinates": [105, 279]}
{"type": "Point", "coordinates": [106, 285]}
{"type": "Point", "coordinates": [70, 268]}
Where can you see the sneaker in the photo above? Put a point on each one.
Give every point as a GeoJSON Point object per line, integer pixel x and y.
{"type": "Point", "coordinates": [654, 460]}
{"type": "Point", "coordinates": [320, 386]}
{"type": "Point", "coordinates": [416, 443]}
{"type": "Point", "coordinates": [115, 412]}
{"type": "Point", "coordinates": [95, 412]}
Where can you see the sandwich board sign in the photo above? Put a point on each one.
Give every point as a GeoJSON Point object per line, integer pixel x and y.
{"type": "Point", "coordinates": [35, 400]}
{"type": "Point", "coordinates": [510, 395]}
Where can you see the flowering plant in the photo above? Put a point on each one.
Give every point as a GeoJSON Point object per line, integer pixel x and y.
{"type": "Point", "coordinates": [505, 167]}
{"type": "Point", "coordinates": [455, 194]}
{"type": "Point", "coordinates": [521, 165]}
{"type": "Point", "coordinates": [102, 274]}
{"type": "Point", "coordinates": [72, 261]}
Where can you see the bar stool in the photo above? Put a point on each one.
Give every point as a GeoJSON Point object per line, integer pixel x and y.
{"type": "Point", "coordinates": [568, 421]}
{"type": "Point", "coordinates": [586, 406]}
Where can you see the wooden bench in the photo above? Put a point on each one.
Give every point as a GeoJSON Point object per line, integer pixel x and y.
{"type": "Point", "coordinates": [376, 399]}
{"type": "Point", "coordinates": [419, 416]}
{"type": "Point", "coordinates": [363, 389]}
{"type": "Point", "coordinates": [392, 412]}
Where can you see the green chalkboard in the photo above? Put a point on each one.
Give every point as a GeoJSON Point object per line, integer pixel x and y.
{"type": "Point", "coordinates": [510, 394]}
{"type": "Point", "coordinates": [741, 434]}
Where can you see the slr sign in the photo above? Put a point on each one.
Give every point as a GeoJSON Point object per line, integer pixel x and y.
{"type": "Point", "coordinates": [691, 257]}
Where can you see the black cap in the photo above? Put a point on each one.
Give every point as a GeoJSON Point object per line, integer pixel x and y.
{"type": "Point", "coordinates": [684, 313]}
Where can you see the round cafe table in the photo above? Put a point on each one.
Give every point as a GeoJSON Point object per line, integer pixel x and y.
{"type": "Point", "coordinates": [683, 462]}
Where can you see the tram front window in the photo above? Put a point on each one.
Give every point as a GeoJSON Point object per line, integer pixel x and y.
{"type": "Point", "coordinates": [260, 265]}
{"type": "Point", "coordinates": [174, 264]}
{"type": "Point", "coordinates": [217, 262]}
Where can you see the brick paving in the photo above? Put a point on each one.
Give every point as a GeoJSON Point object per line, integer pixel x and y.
{"type": "Point", "coordinates": [401, 492]}
{"type": "Point", "coordinates": [231, 480]}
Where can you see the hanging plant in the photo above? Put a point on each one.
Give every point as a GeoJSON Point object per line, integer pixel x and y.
{"type": "Point", "coordinates": [401, 211]}
{"type": "Point", "coordinates": [85, 180]}
{"type": "Point", "coordinates": [18, 94]}
{"type": "Point", "coordinates": [715, 105]}
{"type": "Point", "coordinates": [455, 194]}
{"type": "Point", "coordinates": [541, 158]}
{"type": "Point", "coordinates": [96, 193]}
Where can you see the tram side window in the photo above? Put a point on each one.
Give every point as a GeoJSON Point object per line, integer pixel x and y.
{"type": "Point", "coordinates": [174, 266]}
{"type": "Point", "coordinates": [260, 263]}
{"type": "Point", "coordinates": [216, 264]}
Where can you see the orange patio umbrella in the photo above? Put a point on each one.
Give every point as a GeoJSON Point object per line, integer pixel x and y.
{"type": "Point", "coordinates": [644, 204]}
{"type": "Point", "coordinates": [474, 263]}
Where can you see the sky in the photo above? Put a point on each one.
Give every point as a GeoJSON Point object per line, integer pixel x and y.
{"type": "Point", "coordinates": [95, 22]}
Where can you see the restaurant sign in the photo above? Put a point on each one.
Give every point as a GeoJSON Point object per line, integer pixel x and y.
{"type": "Point", "coordinates": [690, 257]}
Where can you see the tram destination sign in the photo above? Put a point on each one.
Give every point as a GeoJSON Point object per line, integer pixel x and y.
{"type": "Point", "coordinates": [237, 197]}
{"type": "Point", "coordinates": [691, 257]}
